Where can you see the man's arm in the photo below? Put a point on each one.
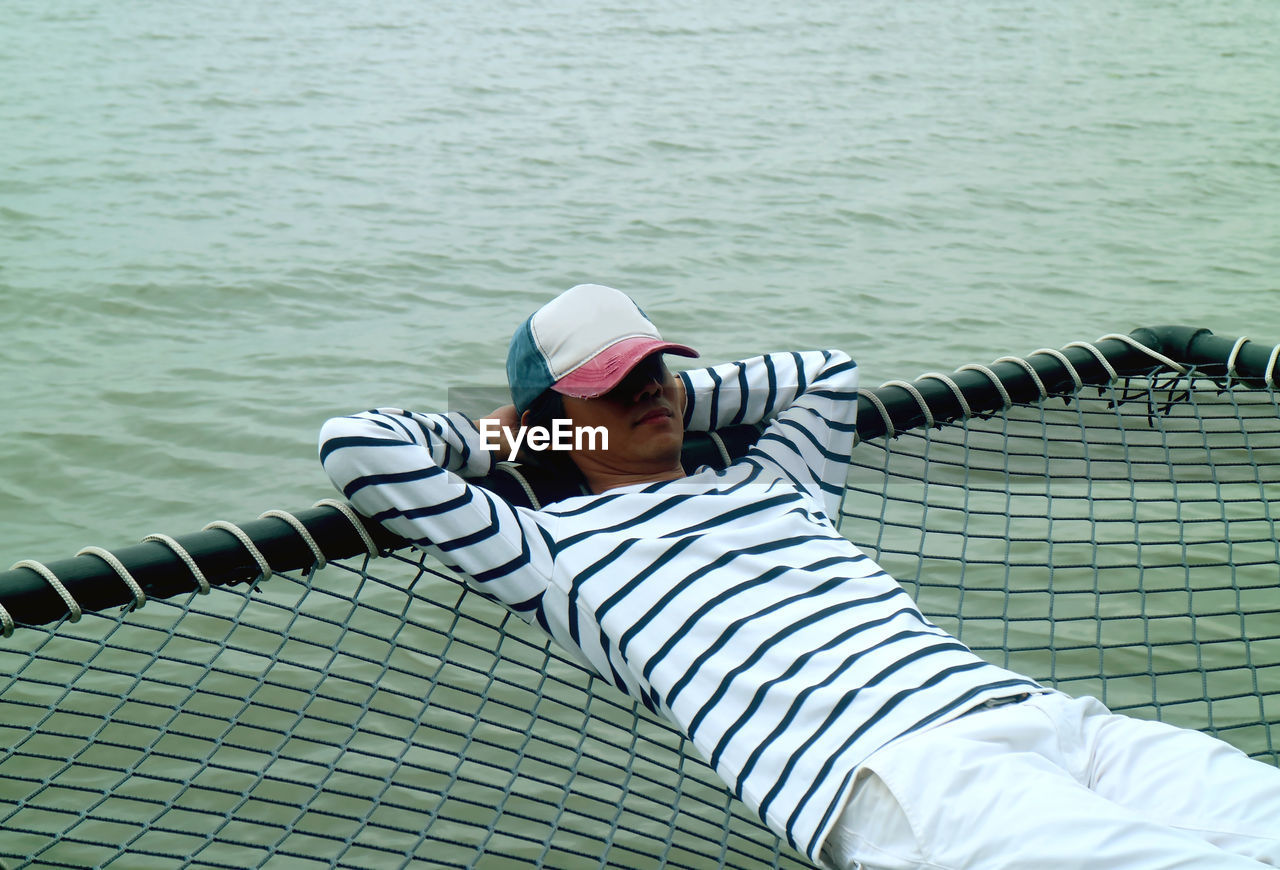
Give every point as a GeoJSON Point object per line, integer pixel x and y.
{"type": "Point", "coordinates": [406, 470]}
{"type": "Point", "coordinates": [809, 401]}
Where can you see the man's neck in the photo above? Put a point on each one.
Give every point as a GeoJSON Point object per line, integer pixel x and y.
{"type": "Point", "coordinates": [603, 480]}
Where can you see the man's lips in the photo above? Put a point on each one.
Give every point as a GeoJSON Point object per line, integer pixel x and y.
{"type": "Point", "coordinates": [654, 416]}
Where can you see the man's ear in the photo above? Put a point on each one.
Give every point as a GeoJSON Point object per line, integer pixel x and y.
{"type": "Point", "coordinates": [524, 419]}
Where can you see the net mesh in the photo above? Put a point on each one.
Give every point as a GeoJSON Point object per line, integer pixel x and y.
{"type": "Point", "coordinates": [1120, 543]}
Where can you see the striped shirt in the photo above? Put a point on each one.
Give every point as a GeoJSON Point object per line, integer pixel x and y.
{"type": "Point", "coordinates": [726, 601]}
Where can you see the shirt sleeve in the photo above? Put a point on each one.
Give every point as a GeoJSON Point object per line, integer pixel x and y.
{"type": "Point", "coordinates": [809, 401]}
{"type": "Point", "coordinates": [408, 471]}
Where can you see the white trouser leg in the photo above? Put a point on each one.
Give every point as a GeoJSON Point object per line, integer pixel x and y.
{"type": "Point", "coordinates": [1181, 778]}
{"type": "Point", "coordinates": [1055, 783]}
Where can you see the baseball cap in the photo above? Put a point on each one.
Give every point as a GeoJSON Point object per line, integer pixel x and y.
{"type": "Point", "coordinates": [581, 344]}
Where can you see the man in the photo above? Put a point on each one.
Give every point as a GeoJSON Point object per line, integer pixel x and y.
{"type": "Point", "coordinates": [728, 602]}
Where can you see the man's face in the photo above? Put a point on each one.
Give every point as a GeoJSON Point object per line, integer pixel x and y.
{"type": "Point", "coordinates": [644, 416]}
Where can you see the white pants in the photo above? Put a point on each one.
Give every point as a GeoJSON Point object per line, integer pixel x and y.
{"type": "Point", "coordinates": [1054, 782]}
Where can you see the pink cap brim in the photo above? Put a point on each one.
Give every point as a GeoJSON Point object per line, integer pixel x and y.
{"type": "Point", "coordinates": [605, 370]}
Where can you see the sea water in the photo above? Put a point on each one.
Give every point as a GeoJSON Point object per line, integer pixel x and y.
{"type": "Point", "coordinates": [222, 223]}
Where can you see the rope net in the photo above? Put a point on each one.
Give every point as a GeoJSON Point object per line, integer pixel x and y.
{"type": "Point", "coordinates": [1119, 543]}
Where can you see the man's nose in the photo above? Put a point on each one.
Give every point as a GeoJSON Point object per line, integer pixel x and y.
{"type": "Point", "coordinates": [649, 387]}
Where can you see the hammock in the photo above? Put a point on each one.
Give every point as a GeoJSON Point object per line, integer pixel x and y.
{"type": "Point", "coordinates": [1099, 518]}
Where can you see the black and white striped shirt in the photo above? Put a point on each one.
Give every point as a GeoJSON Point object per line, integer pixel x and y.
{"type": "Point", "coordinates": [726, 600]}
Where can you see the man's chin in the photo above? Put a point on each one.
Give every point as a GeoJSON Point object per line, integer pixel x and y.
{"type": "Point", "coordinates": [667, 454]}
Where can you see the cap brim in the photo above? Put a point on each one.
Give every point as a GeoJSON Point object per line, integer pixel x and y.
{"type": "Point", "coordinates": [605, 370]}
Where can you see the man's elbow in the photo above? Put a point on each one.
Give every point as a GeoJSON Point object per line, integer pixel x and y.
{"type": "Point", "coordinates": [332, 432]}
{"type": "Point", "coordinates": [354, 430]}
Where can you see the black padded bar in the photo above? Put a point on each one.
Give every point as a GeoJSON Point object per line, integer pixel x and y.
{"type": "Point", "coordinates": [984, 398]}
{"type": "Point", "coordinates": [162, 574]}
